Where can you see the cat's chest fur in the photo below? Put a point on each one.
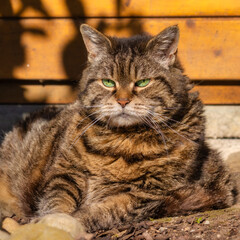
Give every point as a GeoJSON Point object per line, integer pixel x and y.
{"type": "Point", "coordinates": [140, 159]}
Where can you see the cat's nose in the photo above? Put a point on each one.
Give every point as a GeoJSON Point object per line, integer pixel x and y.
{"type": "Point", "coordinates": [123, 101]}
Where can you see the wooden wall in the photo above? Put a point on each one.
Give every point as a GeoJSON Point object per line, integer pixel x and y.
{"type": "Point", "coordinates": [42, 53]}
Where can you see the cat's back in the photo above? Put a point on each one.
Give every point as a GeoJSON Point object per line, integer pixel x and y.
{"type": "Point", "coordinates": [34, 135]}
{"type": "Point", "coordinates": [38, 119]}
{"type": "Point", "coordinates": [34, 123]}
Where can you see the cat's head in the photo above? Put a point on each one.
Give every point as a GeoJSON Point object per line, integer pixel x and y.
{"type": "Point", "coordinates": [131, 81]}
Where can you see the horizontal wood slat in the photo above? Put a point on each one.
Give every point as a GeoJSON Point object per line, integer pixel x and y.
{"type": "Point", "coordinates": [56, 94]}
{"type": "Point", "coordinates": [53, 49]}
{"type": "Point", "coordinates": [115, 8]}
{"type": "Point", "coordinates": [53, 94]}
{"type": "Point", "coordinates": [219, 94]}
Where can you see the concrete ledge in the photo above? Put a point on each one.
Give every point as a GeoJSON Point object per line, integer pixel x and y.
{"type": "Point", "coordinates": [223, 121]}
{"type": "Point", "coordinates": [228, 148]}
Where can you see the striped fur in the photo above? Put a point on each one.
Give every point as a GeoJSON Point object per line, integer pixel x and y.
{"type": "Point", "coordinates": [106, 164]}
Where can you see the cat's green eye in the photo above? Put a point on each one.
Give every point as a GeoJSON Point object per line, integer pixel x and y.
{"type": "Point", "coordinates": [142, 83]}
{"type": "Point", "coordinates": [108, 83]}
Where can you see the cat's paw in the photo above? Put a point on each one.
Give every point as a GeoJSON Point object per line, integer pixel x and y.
{"type": "Point", "coordinates": [65, 222]}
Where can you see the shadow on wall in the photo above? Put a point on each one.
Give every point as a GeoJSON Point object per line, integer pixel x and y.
{"type": "Point", "coordinates": [13, 52]}
{"type": "Point", "coordinates": [74, 54]}
{"type": "Point", "coordinates": [10, 57]}
{"type": "Point", "coordinates": [130, 24]}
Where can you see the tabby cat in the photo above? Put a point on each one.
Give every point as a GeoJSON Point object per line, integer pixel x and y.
{"type": "Point", "coordinates": [131, 147]}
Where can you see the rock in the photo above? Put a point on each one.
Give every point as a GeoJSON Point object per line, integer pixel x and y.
{"type": "Point", "coordinates": [39, 231]}
{"type": "Point", "coordinates": [163, 229]}
{"type": "Point", "coordinates": [187, 229]}
{"type": "Point", "coordinates": [147, 236]}
{"type": "Point", "coordinates": [10, 225]}
{"type": "Point", "coordinates": [222, 121]}
{"type": "Point", "coordinates": [4, 236]}
{"type": "Point", "coordinates": [67, 223]}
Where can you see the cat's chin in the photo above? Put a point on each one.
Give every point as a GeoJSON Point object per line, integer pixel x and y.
{"type": "Point", "coordinates": [124, 120]}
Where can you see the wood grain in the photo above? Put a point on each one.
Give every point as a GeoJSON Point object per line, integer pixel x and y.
{"type": "Point", "coordinates": [59, 94]}
{"type": "Point", "coordinates": [219, 94]}
{"type": "Point", "coordinates": [22, 94]}
{"type": "Point", "coordinates": [180, 8]}
{"type": "Point", "coordinates": [53, 49]}
{"type": "Point", "coordinates": [114, 8]}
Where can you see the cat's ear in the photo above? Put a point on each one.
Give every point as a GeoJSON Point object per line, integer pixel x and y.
{"type": "Point", "coordinates": [96, 43]}
{"type": "Point", "coordinates": [163, 47]}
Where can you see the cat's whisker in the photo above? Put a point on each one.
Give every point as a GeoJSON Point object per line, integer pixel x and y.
{"type": "Point", "coordinates": [167, 108]}
{"type": "Point", "coordinates": [79, 123]}
{"type": "Point", "coordinates": [154, 126]}
{"type": "Point", "coordinates": [94, 106]}
{"type": "Point", "coordinates": [170, 119]}
{"type": "Point", "coordinates": [170, 108]}
{"type": "Point", "coordinates": [159, 132]}
{"type": "Point", "coordinates": [85, 129]}
{"type": "Point", "coordinates": [163, 121]}
{"type": "Point", "coordinates": [149, 124]}
{"type": "Point", "coordinates": [108, 121]}
{"type": "Point", "coordinates": [87, 117]}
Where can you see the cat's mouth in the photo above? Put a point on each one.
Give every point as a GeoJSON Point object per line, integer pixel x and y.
{"type": "Point", "coordinates": [124, 119]}
{"type": "Point", "coordinates": [124, 115]}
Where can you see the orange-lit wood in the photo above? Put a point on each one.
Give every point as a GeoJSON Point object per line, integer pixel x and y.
{"type": "Point", "coordinates": [14, 93]}
{"type": "Point", "coordinates": [52, 49]}
{"type": "Point", "coordinates": [219, 94]}
{"type": "Point", "coordinates": [113, 8]}
{"type": "Point", "coordinates": [180, 8]}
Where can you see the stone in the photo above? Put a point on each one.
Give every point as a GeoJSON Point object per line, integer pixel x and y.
{"type": "Point", "coordinates": [229, 149]}
{"type": "Point", "coordinates": [4, 235]}
{"type": "Point", "coordinates": [39, 231]}
{"type": "Point", "coordinates": [10, 225]}
{"type": "Point", "coordinates": [222, 121]}
{"type": "Point", "coordinates": [65, 222]}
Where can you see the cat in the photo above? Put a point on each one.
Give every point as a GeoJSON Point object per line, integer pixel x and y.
{"type": "Point", "coordinates": [132, 146]}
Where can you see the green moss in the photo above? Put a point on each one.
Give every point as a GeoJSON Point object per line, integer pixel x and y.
{"type": "Point", "coordinates": [216, 213]}
{"type": "Point", "coordinates": [162, 220]}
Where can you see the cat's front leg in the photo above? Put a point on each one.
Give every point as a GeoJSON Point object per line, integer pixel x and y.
{"type": "Point", "coordinates": [113, 211]}
{"type": "Point", "coordinates": [60, 197]}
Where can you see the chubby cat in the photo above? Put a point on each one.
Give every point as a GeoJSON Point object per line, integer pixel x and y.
{"type": "Point", "coordinates": [131, 147]}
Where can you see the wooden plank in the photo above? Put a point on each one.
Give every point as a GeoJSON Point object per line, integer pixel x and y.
{"type": "Point", "coordinates": [219, 94]}
{"type": "Point", "coordinates": [58, 94]}
{"type": "Point", "coordinates": [53, 49]}
{"type": "Point", "coordinates": [55, 94]}
{"type": "Point", "coordinates": [115, 8]}
{"type": "Point", "coordinates": [57, 8]}
{"type": "Point", "coordinates": [180, 8]}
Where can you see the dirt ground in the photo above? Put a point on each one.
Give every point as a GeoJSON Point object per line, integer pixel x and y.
{"type": "Point", "coordinates": [221, 224]}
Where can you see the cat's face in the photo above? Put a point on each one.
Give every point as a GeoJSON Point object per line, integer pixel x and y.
{"type": "Point", "coordinates": [131, 81]}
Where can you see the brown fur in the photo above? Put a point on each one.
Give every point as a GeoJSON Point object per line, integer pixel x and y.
{"type": "Point", "coordinates": [108, 165]}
